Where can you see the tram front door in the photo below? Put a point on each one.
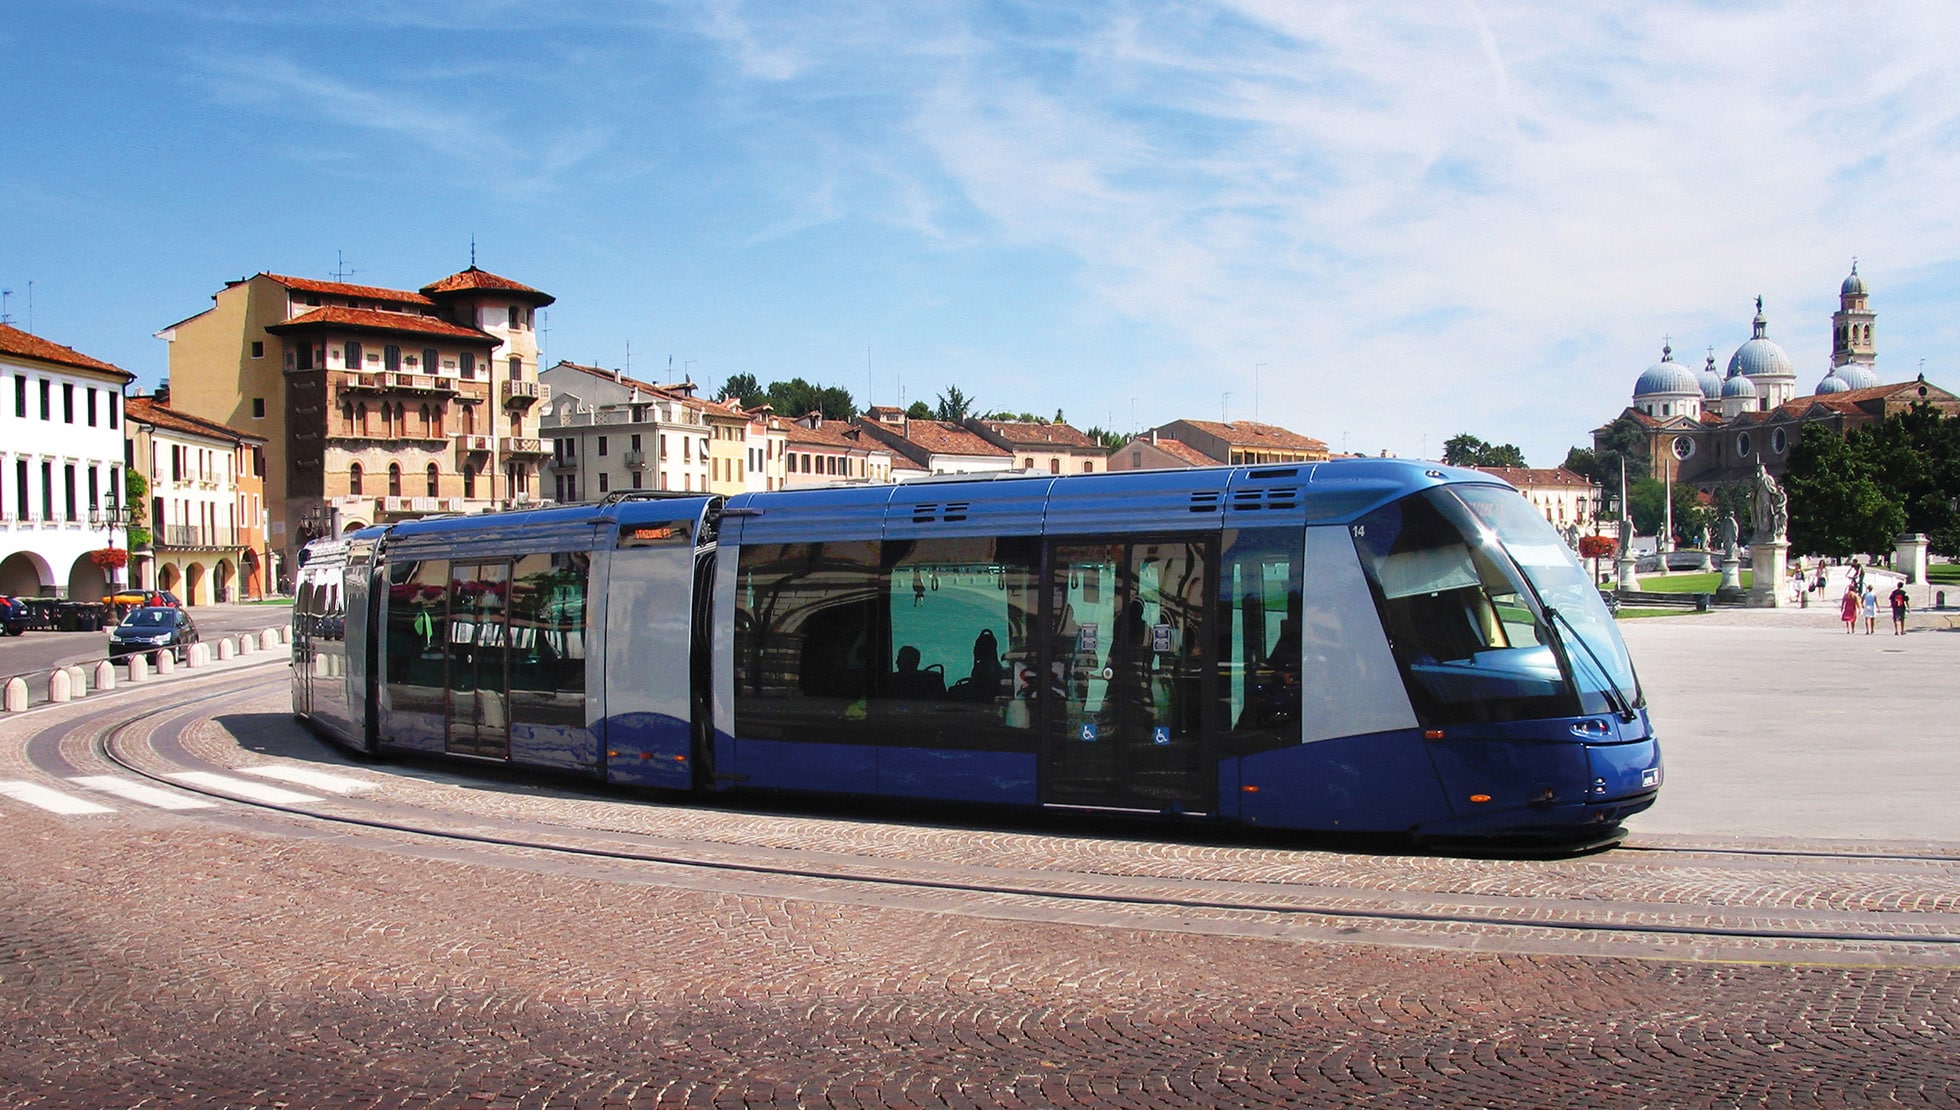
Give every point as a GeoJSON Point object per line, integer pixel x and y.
{"type": "Point", "coordinates": [479, 710]}
{"type": "Point", "coordinates": [1127, 675]}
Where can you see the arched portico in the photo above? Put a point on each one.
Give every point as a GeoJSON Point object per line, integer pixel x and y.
{"type": "Point", "coordinates": [25, 574]}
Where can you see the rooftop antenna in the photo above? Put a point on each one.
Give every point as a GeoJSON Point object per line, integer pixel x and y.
{"type": "Point", "coordinates": [629, 356]}
{"type": "Point", "coordinates": [30, 312]}
{"type": "Point", "coordinates": [1222, 398]}
{"type": "Point", "coordinates": [544, 332]}
{"type": "Point", "coordinates": [472, 250]}
{"type": "Point", "coordinates": [340, 270]}
{"type": "Point", "coordinates": [4, 318]}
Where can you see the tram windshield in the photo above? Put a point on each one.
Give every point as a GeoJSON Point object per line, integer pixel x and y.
{"type": "Point", "coordinates": [1488, 614]}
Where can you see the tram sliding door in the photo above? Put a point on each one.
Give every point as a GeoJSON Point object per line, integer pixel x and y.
{"type": "Point", "coordinates": [1124, 708]}
{"type": "Point", "coordinates": [479, 710]}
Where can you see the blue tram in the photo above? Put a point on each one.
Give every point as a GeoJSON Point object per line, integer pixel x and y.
{"type": "Point", "coordinates": [1356, 646]}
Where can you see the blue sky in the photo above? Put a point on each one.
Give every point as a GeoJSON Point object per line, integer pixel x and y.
{"type": "Point", "coordinates": [1379, 224]}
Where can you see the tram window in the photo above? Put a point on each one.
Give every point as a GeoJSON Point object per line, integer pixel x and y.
{"type": "Point", "coordinates": [547, 622]}
{"type": "Point", "coordinates": [1259, 652]}
{"type": "Point", "coordinates": [807, 637]}
{"type": "Point", "coordinates": [960, 657]}
{"type": "Point", "coordinates": [415, 620]}
{"type": "Point", "coordinates": [921, 643]}
{"type": "Point", "coordinates": [1470, 645]}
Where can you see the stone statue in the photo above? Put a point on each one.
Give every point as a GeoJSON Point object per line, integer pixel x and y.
{"type": "Point", "coordinates": [1771, 507]}
{"type": "Point", "coordinates": [1729, 530]}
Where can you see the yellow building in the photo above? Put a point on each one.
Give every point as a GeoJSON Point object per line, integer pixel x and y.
{"type": "Point", "coordinates": [375, 404]}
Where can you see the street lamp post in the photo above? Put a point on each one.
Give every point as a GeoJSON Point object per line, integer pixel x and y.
{"type": "Point", "coordinates": [111, 519]}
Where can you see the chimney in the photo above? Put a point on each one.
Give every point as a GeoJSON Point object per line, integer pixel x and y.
{"type": "Point", "coordinates": [162, 395]}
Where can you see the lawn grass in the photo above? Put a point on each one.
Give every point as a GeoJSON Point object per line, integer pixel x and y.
{"type": "Point", "coordinates": [1944, 574]}
{"type": "Point", "coordinates": [1627, 614]}
{"type": "Point", "coordinates": [1706, 583]}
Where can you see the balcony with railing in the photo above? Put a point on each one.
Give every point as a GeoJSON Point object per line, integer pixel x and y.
{"type": "Point", "coordinates": [198, 536]}
{"type": "Point", "coordinates": [524, 447]}
{"type": "Point", "coordinates": [474, 444]}
{"type": "Point", "coordinates": [520, 393]}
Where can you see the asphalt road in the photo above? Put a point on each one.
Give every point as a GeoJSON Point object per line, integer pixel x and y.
{"type": "Point", "coordinates": [33, 653]}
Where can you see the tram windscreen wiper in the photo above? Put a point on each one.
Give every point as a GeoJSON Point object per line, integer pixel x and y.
{"type": "Point", "coordinates": [1607, 687]}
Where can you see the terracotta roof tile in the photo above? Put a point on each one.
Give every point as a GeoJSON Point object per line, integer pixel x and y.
{"type": "Point", "coordinates": [1535, 477]}
{"type": "Point", "coordinates": [474, 280]}
{"type": "Point", "coordinates": [1023, 434]}
{"type": "Point", "coordinates": [145, 410]}
{"type": "Point", "coordinates": [21, 344]}
{"type": "Point", "coordinates": [368, 319]}
{"type": "Point", "coordinates": [352, 292]}
{"type": "Point", "coordinates": [1249, 433]}
{"type": "Point", "coordinates": [942, 438]}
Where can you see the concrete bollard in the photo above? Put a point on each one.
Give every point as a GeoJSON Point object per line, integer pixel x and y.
{"type": "Point", "coordinates": [77, 681]}
{"type": "Point", "coordinates": [15, 695]}
{"type": "Point", "coordinates": [138, 670]}
{"type": "Point", "coordinates": [199, 655]}
{"type": "Point", "coordinates": [105, 675]}
{"type": "Point", "coordinates": [225, 650]}
{"type": "Point", "coordinates": [166, 662]}
{"type": "Point", "coordinates": [246, 644]}
{"type": "Point", "coordinates": [58, 686]}
{"type": "Point", "coordinates": [285, 633]}
{"type": "Point", "coordinates": [269, 639]}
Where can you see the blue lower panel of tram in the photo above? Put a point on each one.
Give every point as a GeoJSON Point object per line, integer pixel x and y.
{"type": "Point", "coordinates": [649, 749]}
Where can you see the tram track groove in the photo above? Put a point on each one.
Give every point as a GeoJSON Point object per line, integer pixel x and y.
{"type": "Point", "coordinates": [1341, 909]}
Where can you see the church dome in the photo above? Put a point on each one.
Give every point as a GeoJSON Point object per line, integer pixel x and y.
{"type": "Point", "coordinates": [1738, 385]}
{"type": "Point", "coordinates": [1759, 357]}
{"type": "Point", "coordinates": [1856, 375]}
{"type": "Point", "coordinates": [1833, 384]}
{"type": "Point", "coordinates": [1710, 379]}
{"type": "Point", "coordinates": [1667, 377]}
{"type": "Point", "coordinates": [1854, 286]}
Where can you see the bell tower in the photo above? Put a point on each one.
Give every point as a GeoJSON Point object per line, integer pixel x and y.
{"type": "Point", "coordinates": [1851, 325]}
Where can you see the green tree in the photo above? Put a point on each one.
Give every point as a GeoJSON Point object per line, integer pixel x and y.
{"type": "Point", "coordinates": [745, 388]}
{"type": "Point", "coordinates": [918, 410]}
{"type": "Point", "coordinates": [954, 406]}
{"type": "Point", "coordinates": [1109, 440]}
{"type": "Point", "coordinates": [1649, 497]}
{"type": "Point", "coordinates": [796, 397]}
{"type": "Point", "coordinates": [136, 497]}
{"type": "Point", "coordinates": [1582, 461]}
{"type": "Point", "coordinates": [1625, 440]}
{"type": "Point", "coordinates": [1838, 506]}
{"type": "Point", "coordinates": [1467, 450]}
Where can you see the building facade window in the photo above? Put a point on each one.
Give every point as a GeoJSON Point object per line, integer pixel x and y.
{"type": "Point", "coordinates": [391, 358]}
{"type": "Point", "coordinates": [354, 479]}
{"type": "Point", "coordinates": [352, 355]}
{"type": "Point", "coordinates": [435, 479]}
{"type": "Point", "coordinates": [394, 479]}
{"type": "Point", "coordinates": [430, 362]}
{"type": "Point", "coordinates": [258, 408]}
{"type": "Point", "coordinates": [466, 365]}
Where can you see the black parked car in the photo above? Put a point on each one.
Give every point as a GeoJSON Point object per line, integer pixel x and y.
{"type": "Point", "coordinates": [153, 629]}
{"type": "Point", "coordinates": [14, 617]}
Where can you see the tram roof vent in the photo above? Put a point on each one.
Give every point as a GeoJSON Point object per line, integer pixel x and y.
{"type": "Point", "coordinates": [1271, 497]}
{"type": "Point", "coordinates": [925, 512]}
{"type": "Point", "coordinates": [1207, 501]}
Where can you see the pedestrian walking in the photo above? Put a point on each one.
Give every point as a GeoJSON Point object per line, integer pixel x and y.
{"type": "Point", "coordinates": [1899, 605]}
{"type": "Point", "coordinates": [1848, 609]}
{"type": "Point", "coordinates": [1871, 610]}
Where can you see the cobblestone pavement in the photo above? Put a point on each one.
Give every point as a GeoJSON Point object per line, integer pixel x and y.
{"type": "Point", "coordinates": [180, 963]}
{"type": "Point", "coordinates": [233, 958]}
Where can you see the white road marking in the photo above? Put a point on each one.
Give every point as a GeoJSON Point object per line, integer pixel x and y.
{"type": "Point", "coordinates": [242, 788]}
{"type": "Point", "coordinates": [54, 801]}
{"type": "Point", "coordinates": [318, 780]}
{"type": "Point", "coordinates": [141, 792]}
